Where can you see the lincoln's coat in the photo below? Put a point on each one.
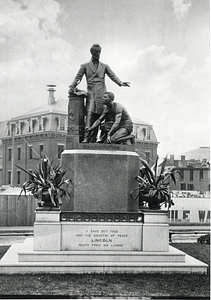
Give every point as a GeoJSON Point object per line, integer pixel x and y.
{"type": "Point", "coordinates": [95, 78]}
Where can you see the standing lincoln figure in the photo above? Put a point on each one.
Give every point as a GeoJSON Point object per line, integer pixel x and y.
{"type": "Point", "coordinates": [94, 72]}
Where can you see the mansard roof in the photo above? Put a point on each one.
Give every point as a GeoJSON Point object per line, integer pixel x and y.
{"type": "Point", "coordinates": [58, 107]}
{"type": "Point", "coordinates": [3, 128]}
{"type": "Point", "coordinates": [138, 122]}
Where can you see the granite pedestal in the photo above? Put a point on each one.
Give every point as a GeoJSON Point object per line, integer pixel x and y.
{"type": "Point", "coordinates": [103, 179]}
{"type": "Point", "coordinates": [99, 229]}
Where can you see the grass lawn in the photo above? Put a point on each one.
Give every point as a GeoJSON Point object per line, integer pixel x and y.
{"type": "Point", "coordinates": [113, 285]}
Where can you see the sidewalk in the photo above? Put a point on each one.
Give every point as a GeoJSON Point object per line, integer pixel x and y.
{"type": "Point", "coordinates": [17, 230]}
{"type": "Point", "coordinates": [15, 234]}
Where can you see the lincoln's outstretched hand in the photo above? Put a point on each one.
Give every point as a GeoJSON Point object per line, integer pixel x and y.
{"type": "Point", "coordinates": [70, 90]}
{"type": "Point", "coordinates": [125, 84]}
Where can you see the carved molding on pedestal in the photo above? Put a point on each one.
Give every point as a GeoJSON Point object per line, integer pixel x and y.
{"type": "Point", "coordinates": [100, 217]}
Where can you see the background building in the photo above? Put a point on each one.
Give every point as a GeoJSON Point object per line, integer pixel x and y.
{"type": "Point", "coordinates": [194, 172]}
{"type": "Point", "coordinates": [43, 130]}
{"type": "Point", "coordinates": [146, 141]}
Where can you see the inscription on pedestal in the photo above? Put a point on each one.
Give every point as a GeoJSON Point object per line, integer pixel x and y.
{"type": "Point", "coordinates": [101, 237]}
{"type": "Point", "coordinates": [96, 146]}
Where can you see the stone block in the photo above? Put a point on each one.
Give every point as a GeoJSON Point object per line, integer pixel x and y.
{"type": "Point", "coordinates": [47, 214]}
{"type": "Point", "coordinates": [101, 236]}
{"type": "Point", "coordinates": [155, 231]}
{"type": "Point", "coordinates": [47, 236]}
{"type": "Point", "coordinates": [155, 238]}
{"type": "Point", "coordinates": [155, 216]}
{"type": "Point", "coordinates": [102, 180]}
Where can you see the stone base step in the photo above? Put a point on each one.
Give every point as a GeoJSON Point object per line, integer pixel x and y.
{"type": "Point", "coordinates": [99, 256]}
{"type": "Point", "coordinates": [11, 264]}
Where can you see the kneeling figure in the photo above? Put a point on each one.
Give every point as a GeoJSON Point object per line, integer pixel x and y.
{"type": "Point", "coordinates": [115, 123]}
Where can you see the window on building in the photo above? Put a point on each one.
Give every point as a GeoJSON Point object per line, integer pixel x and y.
{"type": "Point", "coordinates": [201, 175]}
{"type": "Point", "coordinates": [9, 177]}
{"type": "Point", "coordinates": [9, 154]}
{"type": "Point", "coordinates": [41, 150]}
{"type": "Point", "coordinates": [19, 153]}
{"type": "Point", "coordinates": [18, 128]}
{"type": "Point", "coordinates": [191, 174]}
{"type": "Point", "coordinates": [62, 124]}
{"type": "Point", "coordinates": [144, 132]}
{"type": "Point", "coordinates": [148, 133]}
{"type": "Point", "coordinates": [190, 187]}
{"type": "Point", "coordinates": [182, 174]}
{"type": "Point", "coordinates": [60, 150]}
{"type": "Point", "coordinates": [135, 131]}
{"type": "Point", "coordinates": [147, 155]}
{"type": "Point", "coordinates": [29, 125]}
{"type": "Point", "coordinates": [8, 129]}
{"type": "Point", "coordinates": [30, 152]}
{"type": "Point", "coordinates": [183, 186]}
{"type": "Point", "coordinates": [12, 128]}
{"type": "Point", "coordinates": [40, 124]}
{"type": "Point", "coordinates": [18, 177]}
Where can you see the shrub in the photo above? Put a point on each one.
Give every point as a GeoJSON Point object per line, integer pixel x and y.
{"type": "Point", "coordinates": [204, 239]}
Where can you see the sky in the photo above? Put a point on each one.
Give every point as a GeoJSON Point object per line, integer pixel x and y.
{"type": "Point", "coordinates": [160, 46]}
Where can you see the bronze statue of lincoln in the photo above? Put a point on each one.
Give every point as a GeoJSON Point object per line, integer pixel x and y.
{"type": "Point", "coordinates": [95, 72]}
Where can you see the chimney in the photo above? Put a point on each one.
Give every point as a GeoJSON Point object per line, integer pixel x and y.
{"type": "Point", "coordinates": [183, 161]}
{"type": "Point", "coordinates": [172, 159]}
{"type": "Point", "coordinates": [51, 90]}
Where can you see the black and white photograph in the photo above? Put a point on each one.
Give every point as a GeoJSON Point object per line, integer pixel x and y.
{"type": "Point", "coordinates": [105, 149]}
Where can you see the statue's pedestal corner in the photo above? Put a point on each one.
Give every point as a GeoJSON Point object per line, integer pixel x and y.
{"type": "Point", "coordinates": [44, 209]}
{"type": "Point", "coordinates": [47, 215]}
{"type": "Point", "coordinates": [155, 226]}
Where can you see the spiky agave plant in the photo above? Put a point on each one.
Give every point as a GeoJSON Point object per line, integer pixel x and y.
{"type": "Point", "coordinates": [154, 184]}
{"type": "Point", "coordinates": [47, 184]}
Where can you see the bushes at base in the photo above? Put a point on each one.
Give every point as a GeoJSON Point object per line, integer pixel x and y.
{"type": "Point", "coordinates": [204, 239]}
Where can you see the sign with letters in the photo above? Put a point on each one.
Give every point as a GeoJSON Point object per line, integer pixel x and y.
{"type": "Point", "coordinates": [101, 237]}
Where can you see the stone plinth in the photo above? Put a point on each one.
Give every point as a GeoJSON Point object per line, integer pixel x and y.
{"type": "Point", "coordinates": [102, 179]}
{"type": "Point", "coordinates": [47, 230]}
{"type": "Point", "coordinates": [155, 231]}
